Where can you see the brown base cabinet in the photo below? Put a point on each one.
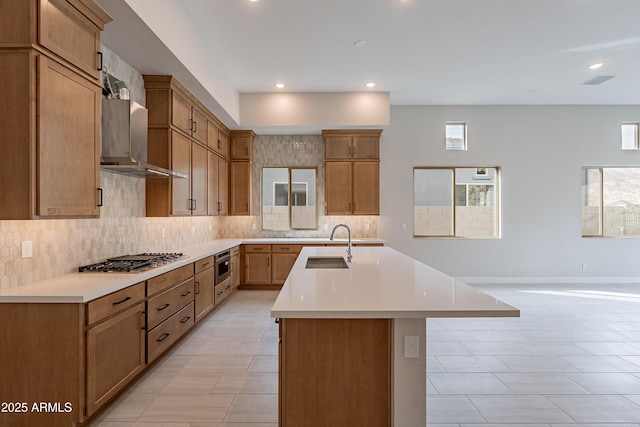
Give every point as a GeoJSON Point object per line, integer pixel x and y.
{"type": "Point", "coordinates": [204, 287]}
{"type": "Point", "coordinates": [268, 264]}
{"type": "Point", "coordinates": [79, 357]}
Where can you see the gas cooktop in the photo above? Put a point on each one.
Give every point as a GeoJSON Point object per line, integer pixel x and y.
{"type": "Point", "coordinates": [131, 263]}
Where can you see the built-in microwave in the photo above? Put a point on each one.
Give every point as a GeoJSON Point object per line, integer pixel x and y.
{"type": "Point", "coordinates": [222, 266]}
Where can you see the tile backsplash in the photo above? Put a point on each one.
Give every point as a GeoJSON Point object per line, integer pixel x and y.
{"type": "Point", "coordinates": [60, 246]}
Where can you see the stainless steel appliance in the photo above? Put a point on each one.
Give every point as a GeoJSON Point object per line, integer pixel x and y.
{"type": "Point", "coordinates": [124, 140]}
{"type": "Point", "coordinates": [222, 267]}
{"type": "Point", "coordinates": [132, 263]}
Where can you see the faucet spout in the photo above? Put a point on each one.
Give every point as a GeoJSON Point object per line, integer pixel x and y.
{"type": "Point", "coordinates": [349, 255]}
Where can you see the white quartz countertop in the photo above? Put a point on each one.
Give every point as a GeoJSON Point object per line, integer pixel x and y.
{"type": "Point", "coordinates": [379, 283]}
{"type": "Point", "coordinates": [84, 287]}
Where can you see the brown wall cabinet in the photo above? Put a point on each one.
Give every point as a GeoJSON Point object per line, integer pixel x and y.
{"type": "Point", "coordinates": [240, 170]}
{"type": "Point", "coordinates": [185, 137]}
{"type": "Point", "coordinates": [50, 109]}
{"type": "Point", "coordinates": [352, 172]}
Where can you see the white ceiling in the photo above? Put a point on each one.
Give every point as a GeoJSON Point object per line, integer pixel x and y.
{"type": "Point", "coordinates": [429, 51]}
{"type": "Point", "coordinates": [423, 52]}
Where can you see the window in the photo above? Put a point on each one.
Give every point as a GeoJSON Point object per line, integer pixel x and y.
{"type": "Point", "coordinates": [611, 202]}
{"type": "Point", "coordinates": [289, 198]}
{"type": "Point", "coordinates": [455, 136]}
{"type": "Point", "coordinates": [629, 136]}
{"type": "Point", "coordinates": [456, 202]}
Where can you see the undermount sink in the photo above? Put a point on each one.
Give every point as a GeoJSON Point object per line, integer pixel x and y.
{"type": "Point", "coordinates": [326, 262]}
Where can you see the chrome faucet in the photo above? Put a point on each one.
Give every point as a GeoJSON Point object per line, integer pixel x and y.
{"type": "Point", "coordinates": [349, 256]}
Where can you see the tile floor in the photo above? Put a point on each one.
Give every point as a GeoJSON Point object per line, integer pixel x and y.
{"type": "Point", "coordinates": [571, 360]}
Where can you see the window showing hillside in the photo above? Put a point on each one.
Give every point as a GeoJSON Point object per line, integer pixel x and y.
{"type": "Point", "coordinates": [611, 202]}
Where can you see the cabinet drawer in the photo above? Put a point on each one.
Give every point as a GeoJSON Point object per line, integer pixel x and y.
{"type": "Point", "coordinates": [113, 303]}
{"type": "Point", "coordinates": [286, 248]}
{"type": "Point", "coordinates": [203, 264]}
{"type": "Point", "coordinates": [257, 248]}
{"type": "Point", "coordinates": [173, 277]}
{"type": "Point", "coordinates": [164, 305]}
{"type": "Point", "coordinates": [223, 291]}
{"type": "Point", "coordinates": [168, 332]}
{"type": "Point", "coordinates": [235, 250]}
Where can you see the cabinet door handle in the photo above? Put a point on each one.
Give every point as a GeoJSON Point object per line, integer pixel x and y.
{"type": "Point", "coordinates": [185, 294]}
{"type": "Point", "coordinates": [219, 206]}
{"type": "Point", "coordinates": [99, 197]}
{"type": "Point", "coordinates": [195, 126]}
{"type": "Point", "coordinates": [197, 288]}
{"type": "Point", "coordinates": [186, 319]}
{"type": "Point", "coordinates": [121, 301]}
{"type": "Point", "coordinates": [191, 125]}
{"type": "Point", "coordinates": [268, 260]}
{"type": "Point", "coordinates": [354, 151]}
{"type": "Point", "coordinates": [100, 61]}
{"type": "Point", "coordinates": [349, 150]}
{"type": "Point", "coordinates": [162, 307]}
{"type": "Point", "coordinates": [354, 206]}
{"type": "Point", "coordinates": [195, 204]}
{"type": "Point", "coordinates": [219, 145]}
{"type": "Point", "coordinates": [163, 337]}
{"type": "Point", "coordinates": [144, 320]}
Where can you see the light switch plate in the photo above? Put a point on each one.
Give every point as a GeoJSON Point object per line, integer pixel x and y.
{"type": "Point", "coordinates": [411, 346]}
{"type": "Point", "coordinates": [27, 249]}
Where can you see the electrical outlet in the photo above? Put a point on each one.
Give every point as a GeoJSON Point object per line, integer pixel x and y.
{"type": "Point", "coordinates": [411, 346]}
{"type": "Point", "coordinates": [193, 229]}
{"type": "Point", "coordinates": [163, 232]}
{"type": "Point", "coordinates": [27, 249]}
{"type": "Point", "coordinates": [404, 226]}
{"type": "Point", "coordinates": [366, 226]}
{"type": "Point", "coordinates": [325, 227]}
{"type": "Point", "coordinates": [584, 266]}
{"type": "Point", "coordinates": [254, 227]}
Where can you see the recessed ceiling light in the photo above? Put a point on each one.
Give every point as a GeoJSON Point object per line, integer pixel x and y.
{"type": "Point", "coordinates": [370, 84]}
{"type": "Point", "coordinates": [278, 85]}
{"type": "Point", "coordinates": [595, 66]}
{"type": "Point", "coordinates": [254, 1]}
{"type": "Point", "coordinates": [359, 43]}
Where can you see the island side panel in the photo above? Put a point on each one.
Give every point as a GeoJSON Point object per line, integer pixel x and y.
{"type": "Point", "coordinates": [409, 374]}
{"type": "Point", "coordinates": [335, 372]}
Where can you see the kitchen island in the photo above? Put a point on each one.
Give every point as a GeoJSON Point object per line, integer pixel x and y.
{"type": "Point", "coordinates": [353, 340]}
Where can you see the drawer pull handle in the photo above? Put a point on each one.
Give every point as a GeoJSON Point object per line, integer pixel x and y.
{"type": "Point", "coordinates": [163, 307]}
{"type": "Point", "coordinates": [163, 337]}
{"type": "Point", "coordinates": [185, 294]}
{"type": "Point", "coordinates": [206, 263]}
{"type": "Point", "coordinates": [284, 249]}
{"type": "Point", "coordinates": [121, 301]}
{"type": "Point", "coordinates": [185, 320]}
{"type": "Point", "coordinates": [219, 293]}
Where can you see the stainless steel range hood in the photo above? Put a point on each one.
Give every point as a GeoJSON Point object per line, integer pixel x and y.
{"type": "Point", "coordinates": [124, 141]}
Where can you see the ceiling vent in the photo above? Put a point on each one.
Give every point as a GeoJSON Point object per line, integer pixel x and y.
{"type": "Point", "coordinates": [598, 80]}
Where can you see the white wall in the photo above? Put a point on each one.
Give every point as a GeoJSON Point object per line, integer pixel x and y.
{"type": "Point", "coordinates": [540, 150]}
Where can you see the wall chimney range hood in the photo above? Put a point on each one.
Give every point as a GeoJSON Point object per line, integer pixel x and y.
{"type": "Point", "coordinates": [124, 141]}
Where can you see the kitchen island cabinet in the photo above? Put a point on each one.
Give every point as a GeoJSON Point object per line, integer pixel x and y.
{"type": "Point", "coordinates": [350, 327]}
{"type": "Point", "coordinates": [50, 109]}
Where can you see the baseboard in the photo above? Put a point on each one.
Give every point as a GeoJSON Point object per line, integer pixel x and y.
{"type": "Point", "coordinates": [547, 280]}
